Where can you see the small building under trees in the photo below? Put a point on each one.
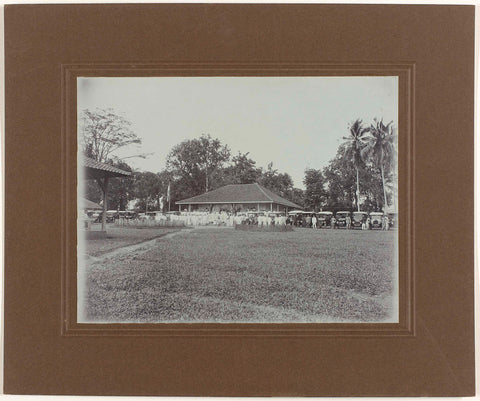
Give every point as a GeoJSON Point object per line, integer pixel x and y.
{"type": "Point", "coordinates": [86, 204]}
{"type": "Point", "coordinates": [237, 198]}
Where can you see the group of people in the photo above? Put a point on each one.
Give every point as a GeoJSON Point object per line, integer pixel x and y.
{"type": "Point", "coordinates": [308, 221]}
{"type": "Point", "coordinates": [384, 223]}
{"type": "Point", "coordinates": [266, 219]}
{"type": "Point", "coordinates": [228, 219]}
{"type": "Point", "coordinates": [315, 222]}
{"type": "Point", "coordinates": [204, 218]}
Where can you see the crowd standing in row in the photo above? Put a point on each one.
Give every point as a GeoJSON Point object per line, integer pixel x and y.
{"type": "Point", "coordinates": [261, 219]}
{"type": "Point", "coordinates": [229, 219]}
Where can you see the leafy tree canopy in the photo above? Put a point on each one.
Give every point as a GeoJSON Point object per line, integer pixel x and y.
{"type": "Point", "coordinates": [102, 132]}
{"type": "Point", "coordinates": [315, 195]}
{"type": "Point", "coordinates": [280, 183]}
{"type": "Point", "coordinates": [194, 161]}
{"type": "Point", "coordinates": [340, 178]}
{"type": "Point", "coordinates": [243, 170]}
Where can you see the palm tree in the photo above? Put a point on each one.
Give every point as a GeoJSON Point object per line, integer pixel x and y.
{"type": "Point", "coordinates": [353, 145]}
{"type": "Point", "coordinates": [381, 150]}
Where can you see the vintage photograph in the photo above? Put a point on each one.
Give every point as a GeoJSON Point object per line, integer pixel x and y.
{"type": "Point", "coordinates": [237, 199]}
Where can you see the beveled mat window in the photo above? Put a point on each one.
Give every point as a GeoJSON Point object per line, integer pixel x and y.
{"type": "Point", "coordinates": [405, 75]}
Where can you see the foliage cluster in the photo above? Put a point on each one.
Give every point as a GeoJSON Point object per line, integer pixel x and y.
{"type": "Point", "coordinates": [358, 176]}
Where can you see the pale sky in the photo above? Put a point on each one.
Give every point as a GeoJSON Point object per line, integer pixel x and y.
{"type": "Point", "coordinates": [294, 122]}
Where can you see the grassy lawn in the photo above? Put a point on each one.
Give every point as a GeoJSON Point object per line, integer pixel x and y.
{"type": "Point", "coordinates": [226, 275]}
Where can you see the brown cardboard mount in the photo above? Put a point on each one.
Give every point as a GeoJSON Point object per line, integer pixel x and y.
{"type": "Point", "coordinates": [430, 352]}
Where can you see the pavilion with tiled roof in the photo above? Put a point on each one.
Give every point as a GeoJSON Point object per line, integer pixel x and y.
{"type": "Point", "coordinates": [238, 197]}
{"type": "Point", "coordinates": [95, 170]}
{"type": "Point", "coordinates": [101, 172]}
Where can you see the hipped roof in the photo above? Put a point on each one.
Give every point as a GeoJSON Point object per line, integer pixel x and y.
{"type": "Point", "coordinates": [239, 193]}
{"type": "Point", "coordinates": [94, 169]}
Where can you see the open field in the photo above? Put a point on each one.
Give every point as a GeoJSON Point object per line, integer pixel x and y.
{"type": "Point", "coordinates": [226, 275]}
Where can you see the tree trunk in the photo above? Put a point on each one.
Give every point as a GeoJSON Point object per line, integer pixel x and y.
{"type": "Point", "coordinates": [384, 191]}
{"type": "Point", "coordinates": [358, 193]}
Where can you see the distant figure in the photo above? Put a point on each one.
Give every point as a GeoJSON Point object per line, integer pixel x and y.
{"type": "Point", "coordinates": [308, 221]}
{"type": "Point", "coordinates": [386, 223]}
{"type": "Point", "coordinates": [368, 223]}
{"type": "Point", "coordinates": [298, 221]}
{"type": "Point", "coordinates": [348, 221]}
{"type": "Point", "coordinates": [314, 222]}
{"type": "Point", "coordinates": [267, 220]}
{"type": "Point", "coordinates": [333, 222]}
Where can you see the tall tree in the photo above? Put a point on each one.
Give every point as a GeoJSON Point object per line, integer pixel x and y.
{"type": "Point", "coordinates": [315, 194]}
{"type": "Point", "coordinates": [197, 159]}
{"type": "Point", "coordinates": [121, 190]}
{"type": "Point", "coordinates": [149, 188]}
{"type": "Point", "coordinates": [102, 132]}
{"type": "Point", "coordinates": [381, 149]}
{"type": "Point", "coordinates": [243, 169]}
{"type": "Point", "coordinates": [297, 196]}
{"type": "Point", "coordinates": [280, 183]}
{"type": "Point", "coordinates": [340, 183]}
{"type": "Point", "coordinates": [212, 156]}
{"type": "Point", "coordinates": [352, 150]}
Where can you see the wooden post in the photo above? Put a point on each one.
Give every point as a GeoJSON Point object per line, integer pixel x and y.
{"type": "Point", "coordinates": [258, 207]}
{"type": "Point", "coordinates": [271, 207]}
{"type": "Point", "coordinates": [105, 193]}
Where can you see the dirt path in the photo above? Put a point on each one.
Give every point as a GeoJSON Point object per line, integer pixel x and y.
{"type": "Point", "coordinates": [132, 250]}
